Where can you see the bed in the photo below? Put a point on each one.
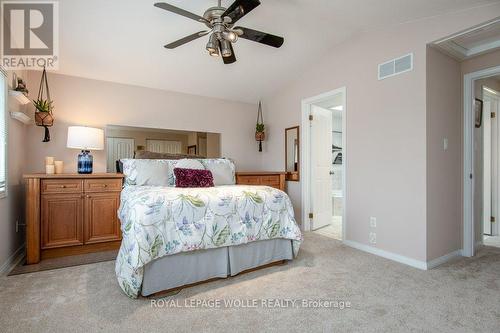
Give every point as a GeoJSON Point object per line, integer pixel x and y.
{"type": "Point", "coordinates": [173, 237]}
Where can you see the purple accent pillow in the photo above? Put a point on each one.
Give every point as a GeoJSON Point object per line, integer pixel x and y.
{"type": "Point", "coordinates": [193, 178]}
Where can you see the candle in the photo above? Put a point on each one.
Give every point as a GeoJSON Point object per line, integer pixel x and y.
{"type": "Point", "coordinates": [49, 160]}
{"type": "Point", "coordinates": [58, 166]}
{"type": "Point", "coordinates": [49, 169]}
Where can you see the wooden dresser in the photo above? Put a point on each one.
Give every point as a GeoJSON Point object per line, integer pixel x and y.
{"type": "Point", "coordinates": [273, 179]}
{"type": "Point", "coordinates": [68, 214]}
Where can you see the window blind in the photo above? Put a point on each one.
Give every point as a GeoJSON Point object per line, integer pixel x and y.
{"type": "Point", "coordinates": [3, 133]}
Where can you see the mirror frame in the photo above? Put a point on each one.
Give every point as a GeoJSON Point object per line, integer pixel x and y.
{"type": "Point", "coordinates": [293, 176]}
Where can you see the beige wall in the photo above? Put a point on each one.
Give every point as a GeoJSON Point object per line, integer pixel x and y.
{"type": "Point", "coordinates": [386, 127]}
{"type": "Point", "coordinates": [95, 103]}
{"type": "Point", "coordinates": [444, 176]}
{"type": "Point", "coordinates": [12, 206]}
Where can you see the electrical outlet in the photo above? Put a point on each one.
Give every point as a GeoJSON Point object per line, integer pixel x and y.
{"type": "Point", "coordinates": [373, 238]}
{"type": "Point", "coordinates": [445, 144]}
{"type": "Point", "coordinates": [373, 222]}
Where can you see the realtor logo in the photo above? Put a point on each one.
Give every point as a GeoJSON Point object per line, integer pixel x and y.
{"type": "Point", "coordinates": [30, 34]}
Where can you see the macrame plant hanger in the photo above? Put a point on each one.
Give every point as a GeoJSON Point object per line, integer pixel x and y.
{"type": "Point", "coordinates": [260, 135]}
{"type": "Point", "coordinates": [44, 118]}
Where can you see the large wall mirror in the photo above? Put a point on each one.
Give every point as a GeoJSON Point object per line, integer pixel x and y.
{"type": "Point", "coordinates": [292, 153]}
{"type": "Point", "coordinates": [127, 142]}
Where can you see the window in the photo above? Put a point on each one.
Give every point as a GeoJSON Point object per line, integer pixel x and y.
{"type": "Point", "coordinates": [3, 133]}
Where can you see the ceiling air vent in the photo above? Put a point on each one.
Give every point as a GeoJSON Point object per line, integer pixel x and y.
{"type": "Point", "coordinates": [395, 66]}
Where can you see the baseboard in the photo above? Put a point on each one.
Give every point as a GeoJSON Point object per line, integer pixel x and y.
{"type": "Point", "coordinates": [12, 261]}
{"type": "Point", "coordinates": [388, 255]}
{"type": "Point", "coordinates": [441, 260]}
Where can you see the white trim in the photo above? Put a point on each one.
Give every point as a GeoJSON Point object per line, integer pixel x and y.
{"type": "Point", "coordinates": [305, 160]}
{"type": "Point", "coordinates": [468, 156]}
{"type": "Point", "coordinates": [443, 259]}
{"type": "Point", "coordinates": [12, 261]}
{"type": "Point", "coordinates": [388, 255]}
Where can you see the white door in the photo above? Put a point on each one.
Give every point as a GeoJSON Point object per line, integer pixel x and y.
{"type": "Point", "coordinates": [321, 166]}
{"type": "Point", "coordinates": [164, 146]}
{"type": "Point", "coordinates": [118, 148]}
{"type": "Point", "coordinates": [487, 168]}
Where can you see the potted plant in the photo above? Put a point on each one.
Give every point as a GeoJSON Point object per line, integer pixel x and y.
{"type": "Point", "coordinates": [44, 107]}
{"type": "Point", "coordinates": [260, 135]}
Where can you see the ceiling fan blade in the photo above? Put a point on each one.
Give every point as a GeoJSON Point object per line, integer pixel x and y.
{"type": "Point", "coordinates": [261, 37]}
{"type": "Point", "coordinates": [180, 11]}
{"type": "Point", "coordinates": [186, 39]}
{"type": "Point", "coordinates": [231, 58]}
{"type": "Point", "coordinates": [240, 8]}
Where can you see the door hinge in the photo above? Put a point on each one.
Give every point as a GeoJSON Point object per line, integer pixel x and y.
{"type": "Point", "coordinates": [470, 175]}
{"type": "Point", "coordinates": [492, 220]}
{"type": "Point", "coordinates": [493, 114]}
{"type": "Point", "coordinates": [311, 215]}
{"type": "Point", "coordinates": [310, 117]}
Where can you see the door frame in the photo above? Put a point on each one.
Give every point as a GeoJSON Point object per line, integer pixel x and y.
{"type": "Point", "coordinates": [305, 156]}
{"type": "Point", "coordinates": [468, 157]}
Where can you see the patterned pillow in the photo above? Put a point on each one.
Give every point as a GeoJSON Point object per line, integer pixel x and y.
{"type": "Point", "coordinates": [193, 178]}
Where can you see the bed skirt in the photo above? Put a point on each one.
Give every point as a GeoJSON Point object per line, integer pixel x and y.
{"type": "Point", "coordinates": [186, 268]}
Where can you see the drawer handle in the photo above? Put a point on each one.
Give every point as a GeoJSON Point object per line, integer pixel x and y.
{"type": "Point", "coordinates": [63, 186]}
{"type": "Point", "coordinates": [105, 185]}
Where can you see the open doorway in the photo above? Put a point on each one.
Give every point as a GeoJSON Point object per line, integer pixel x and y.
{"type": "Point", "coordinates": [324, 121]}
{"type": "Point", "coordinates": [488, 101]}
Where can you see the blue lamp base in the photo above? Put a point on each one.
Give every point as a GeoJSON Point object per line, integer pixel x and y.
{"type": "Point", "coordinates": [85, 162]}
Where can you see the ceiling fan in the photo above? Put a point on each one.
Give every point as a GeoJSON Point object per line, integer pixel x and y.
{"type": "Point", "coordinates": [222, 31]}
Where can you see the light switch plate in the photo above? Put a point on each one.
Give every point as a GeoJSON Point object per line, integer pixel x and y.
{"type": "Point", "coordinates": [445, 144]}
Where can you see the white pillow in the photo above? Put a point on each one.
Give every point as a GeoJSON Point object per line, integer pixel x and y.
{"type": "Point", "coordinates": [222, 171]}
{"type": "Point", "coordinates": [146, 172]}
{"type": "Point", "coordinates": [187, 163]}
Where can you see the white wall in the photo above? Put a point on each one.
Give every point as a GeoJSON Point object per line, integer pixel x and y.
{"type": "Point", "coordinates": [386, 127]}
{"type": "Point", "coordinates": [12, 206]}
{"type": "Point", "coordinates": [80, 101]}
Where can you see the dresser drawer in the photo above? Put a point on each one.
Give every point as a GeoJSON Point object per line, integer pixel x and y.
{"type": "Point", "coordinates": [102, 185]}
{"type": "Point", "coordinates": [62, 186]}
{"type": "Point", "coordinates": [248, 180]}
{"type": "Point", "coordinates": [266, 180]}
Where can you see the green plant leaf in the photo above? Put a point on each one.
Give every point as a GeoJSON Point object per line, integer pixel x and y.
{"type": "Point", "coordinates": [157, 244]}
{"type": "Point", "coordinates": [274, 230]}
{"type": "Point", "coordinates": [254, 197]}
{"type": "Point", "coordinates": [222, 236]}
{"type": "Point", "coordinates": [196, 202]}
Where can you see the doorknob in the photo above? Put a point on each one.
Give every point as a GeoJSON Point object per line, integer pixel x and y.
{"type": "Point", "coordinates": [332, 173]}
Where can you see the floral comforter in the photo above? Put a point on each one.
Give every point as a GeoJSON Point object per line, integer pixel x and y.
{"type": "Point", "coordinates": [160, 221]}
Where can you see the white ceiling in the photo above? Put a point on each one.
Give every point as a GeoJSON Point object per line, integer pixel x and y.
{"type": "Point", "coordinates": [122, 41]}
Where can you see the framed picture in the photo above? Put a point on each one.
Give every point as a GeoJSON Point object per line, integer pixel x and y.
{"type": "Point", "coordinates": [478, 112]}
{"type": "Point", "coordinates": [192, 150]}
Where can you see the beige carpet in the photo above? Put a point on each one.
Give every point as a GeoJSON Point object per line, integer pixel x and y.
{"type": "Point", "coordinates": [463, 296]}
{"type": "Point", "coordinates": [62, 262]}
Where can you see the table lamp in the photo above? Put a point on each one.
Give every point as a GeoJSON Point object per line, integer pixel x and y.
{"type": "Point", "coordinates": [86, 139]}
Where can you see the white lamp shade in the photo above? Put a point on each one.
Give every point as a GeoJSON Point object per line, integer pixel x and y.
{"type": "Point", "coordinates": [86, 138]}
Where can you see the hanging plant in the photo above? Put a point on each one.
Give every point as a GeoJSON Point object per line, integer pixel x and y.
{"type": "Point", "coordinates": [260, 135]}
{"type": "Point", "coordinates": [44, 107]}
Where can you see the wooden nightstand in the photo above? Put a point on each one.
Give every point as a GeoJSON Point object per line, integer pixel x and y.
{"type": "Point", "coordinates": [273, 179]}
{"type": "Point", "coordinates": [68, 214]}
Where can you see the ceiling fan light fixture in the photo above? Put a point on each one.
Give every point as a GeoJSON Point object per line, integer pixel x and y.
{"type": "Point", "coordinates": [230, 36]}
{"type": "Point", "coordinates": [225, 48]}
{"type": "Point", "coordinates": [212, 44]}
{"type": "Point", "coordinates": [215, 53]}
